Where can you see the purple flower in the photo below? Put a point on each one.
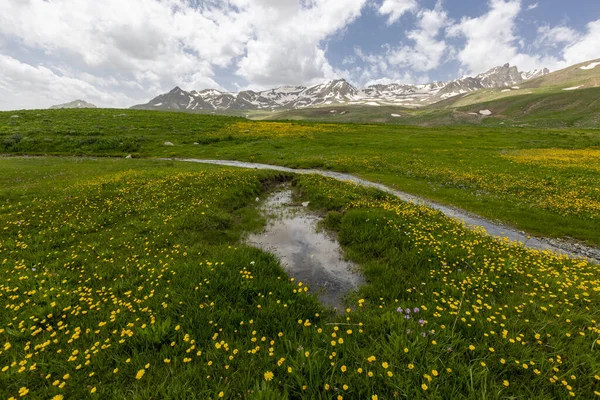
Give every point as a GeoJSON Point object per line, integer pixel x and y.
{"type": "Point", "coordinates": [416, 309]}
{"type": "Point", "coordinates": [423, 334]}
{"type": "Point", "coordinates": [422, 322]}
{"type": "Point", "coordinates": [399, 309]}
{"type": "Point", "coordinates": [407, 316]}
{"type": "Point", "coordinates": [408, 310]}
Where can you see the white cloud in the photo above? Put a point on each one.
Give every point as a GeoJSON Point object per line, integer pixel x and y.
{"type": "Point", "coordinates": [286, 45]}
{"type": "Point", "coordinates": [427, 52]}
{"type": "Point", "coordinates": [156, 44]}
{"type": "Point", "coordinates": [394, 9]}
{"type": "Point", "coordinates": [406, 62]}
{"type": "Point", "coordinates": [555, 36]}
{"type": "Point", "coordinates": [41, 87]}
{"type": "Point", "coordinates": [532, 6]}
{"type": "Point", "coordinates": [149, 46]}
{"type": "Point", "coordinates": [491, 40]}
{"type": "Point", "coordinates": [116, 53]}
{"type": "Point", "coordinates": [349, 60]}
{"type": "Point", "coordinates": [585, 47]}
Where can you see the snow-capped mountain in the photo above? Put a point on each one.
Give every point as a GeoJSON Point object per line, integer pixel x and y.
{"type": "Point", "coordinates": [338, 92]}
{"type": "Point", "coordinates": [75, 104]}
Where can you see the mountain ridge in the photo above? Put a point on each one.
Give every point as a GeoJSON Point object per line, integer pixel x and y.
{"type": "Point", "coordinates": [338, 91]}
{"type": "Point", "coordinates": [75, 104]}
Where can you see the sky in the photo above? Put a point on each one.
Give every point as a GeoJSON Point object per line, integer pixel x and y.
{"type": "Point", "coordinates": [117, 53]}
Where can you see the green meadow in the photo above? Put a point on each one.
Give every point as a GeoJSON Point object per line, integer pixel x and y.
{"type": "Point", "coordinates": [130, 278]}
{"type": "Point", "coordinates": [505, 174]}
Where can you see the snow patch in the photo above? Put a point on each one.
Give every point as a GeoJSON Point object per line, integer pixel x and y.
{"type": "Point", "coordinates": [371, 103]}
{"type": "Point", "coordinates": [395, 115]}
{"type": "Point", "coordinates": [591, 66]}
{"type": "Point", "coordinates": [485, 112]}
{"type": "Point", "coordinates": [157, 104]}
{"type": "Point", "coordinates": [515, 87]}
{"type": "Point", "coordinates": [574, 87]}
{"type": "Point", "coordinates": [505, 90]}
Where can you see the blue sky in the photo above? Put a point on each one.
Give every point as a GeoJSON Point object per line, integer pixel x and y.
{"type": "Point", "coordinates": [115, 53]}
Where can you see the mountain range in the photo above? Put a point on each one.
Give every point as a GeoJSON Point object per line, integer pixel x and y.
{"type": "Point", "coordinates": [75, 104]}
{"type": "Point", "coordinates": [338, 92]}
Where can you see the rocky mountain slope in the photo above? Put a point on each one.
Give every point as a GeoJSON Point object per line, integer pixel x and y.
{"type": "Point", "coordinates": [75, 104]}
{"type": "Point", "coordinates": [338, 92]}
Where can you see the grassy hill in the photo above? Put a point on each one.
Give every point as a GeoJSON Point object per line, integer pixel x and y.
{"type": "Point", "coordinates": [555, 82]}
{"type": "Point", "coordinates": [541, 102]}
{"type": "Point", "coordinates": [556, 109]}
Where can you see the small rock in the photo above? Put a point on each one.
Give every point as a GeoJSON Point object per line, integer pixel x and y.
{"type": "Point", "coordinates": [196, 143]}
{"type": "Point", "coordinates": [15, 116]}
{"type": "Point", "coordinates": [305, 204]}
{"type": "Point", "coordinates": [129, 156]}
{"type": "Point", "coordinates": [168, 144]}
{"type": "Point", "coordinates": [485, 112]}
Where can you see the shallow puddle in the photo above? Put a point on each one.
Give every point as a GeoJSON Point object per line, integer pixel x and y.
{"type": "Point", "coordinates": [311, 257]}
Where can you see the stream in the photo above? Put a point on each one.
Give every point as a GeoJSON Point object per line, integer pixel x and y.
{"type": "Point", "coordinates": [308, 255]}
{"type": "Point", "coordinates": [470, 220]}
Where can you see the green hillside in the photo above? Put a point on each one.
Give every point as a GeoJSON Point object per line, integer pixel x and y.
{"type": "Point", "coordinates": [556, 109]}
{"type": "Point", "coordinates": [541, 102]}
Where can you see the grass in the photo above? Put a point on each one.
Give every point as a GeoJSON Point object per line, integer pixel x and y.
{"type": "Point", "coordinates": [540, 108]}
{"type": "Point", "coordinates": [474, 168]}
{"type": "Point", "coordinates": [129, 279]}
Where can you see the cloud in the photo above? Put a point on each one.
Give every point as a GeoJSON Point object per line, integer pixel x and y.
{"type": "Point", "coordinates": [555, 36]}
{"type": "Point", "coordinates": [117, 53]}
{"type": "Point", "coordinates": [157, 44]}
{"type": "Point", "coordinates": [408, 61]}
{"type": "Point", "coordinates": [286, 46]}
{"type": "Point", "coordinates": [149, 46]}
{"type": "Point", "coordinates": [394, 9]}
{"type": "Point", "coordinates": [427, 52]}
{"type": "Point", "coordinates": [585, 47]}
{"type": "Point", "coordinates": [491, 39]}
{"type": "Point", "coordinates": [41, 87]}
{"type": "Point", "coordinates": [532, 6]}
